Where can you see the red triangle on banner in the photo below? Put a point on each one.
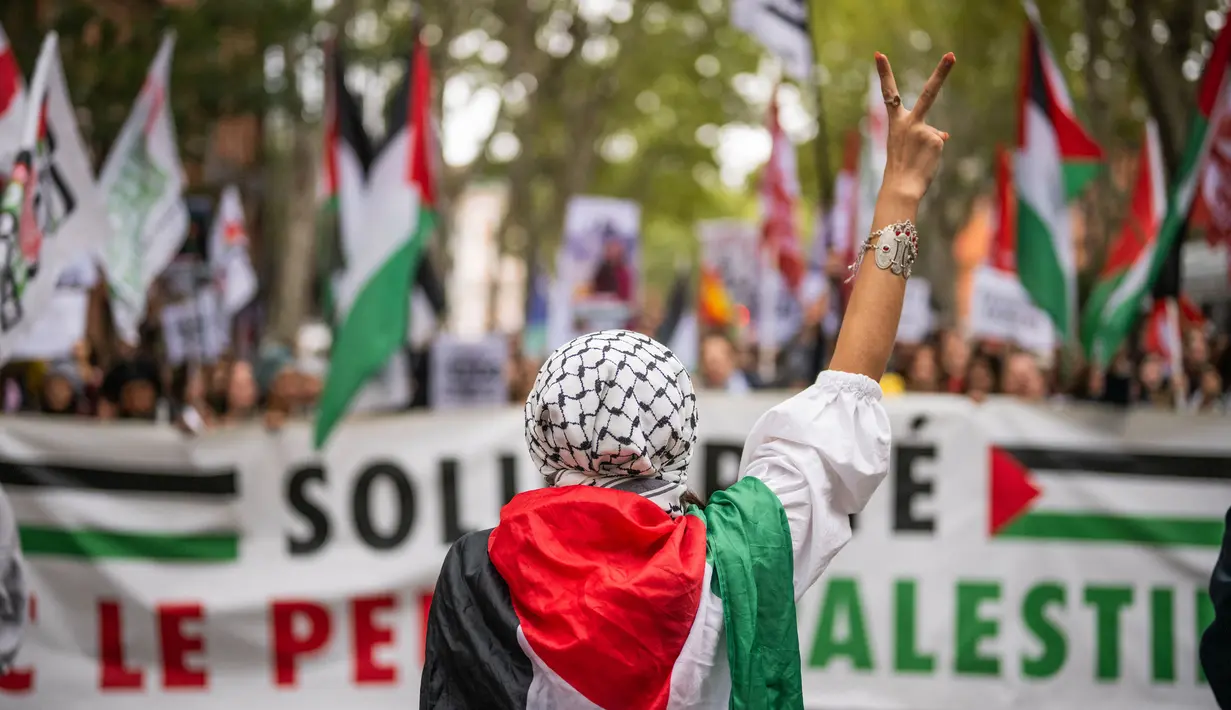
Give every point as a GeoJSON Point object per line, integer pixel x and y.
{"type": "Point", "coordinates": [1011, 489]}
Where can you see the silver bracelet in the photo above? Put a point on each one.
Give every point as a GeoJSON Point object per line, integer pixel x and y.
{"type": "Point", "coordinates": [897, 248]}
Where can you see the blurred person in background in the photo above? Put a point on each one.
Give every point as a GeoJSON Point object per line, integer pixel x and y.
{"type": "Point", "coordinates": [954, 361]}
{"type": "Point", "coordinates": [291, 390]}
{"type": "Point", "coordinates": [1208, 395]}
{"type": "Point", "coordinates": [132, 390]}
{"type": "Point", "coordinates": [982, 377]}
{"type": "Point", "coordinates": [923, 373]}
{"type": "Point", "coordinates": [1023, 378]}
{"type": "Point", "coordinates": [85, 359]}
{"type": "Point", "coordinates": [241, 396]}
{"type": "Point", "coordinates": [1118, 386]}
{"type": "Point", "coordinates": [16, 390]}
{"type": "Point", "coordinates": [719, 366]}
{"type": "Point", "coordinates": [191, 412]}
{"type": "Point", "coordinates": [61, 391]}
{"type": "Point", "coordinates": [1090, 384]}
{"type": "Point", "coordinates": [1154, 388]}
{"type": "Point", "coordinates": [1196, 357]}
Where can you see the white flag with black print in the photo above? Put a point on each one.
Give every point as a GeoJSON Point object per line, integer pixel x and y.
{"type": "Point", "coordinates": [144, 183]}
{"type": "Point", "coordinates": [52, 213]}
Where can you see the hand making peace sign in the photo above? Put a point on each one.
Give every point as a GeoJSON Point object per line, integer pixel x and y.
{"type": "Point", "coordinates": [914, 147]}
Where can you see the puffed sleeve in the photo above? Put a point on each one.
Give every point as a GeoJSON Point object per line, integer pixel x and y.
{"type": "Point", "coordinates": [823, 453]}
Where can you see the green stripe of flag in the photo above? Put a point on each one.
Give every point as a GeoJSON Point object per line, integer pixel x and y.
{"type": "Point", "coordinates": [1039, 266]}
{"type": "Point", "coordinates": [103, 544]}
{"type": "Point", "coordinates": [1097, 527]}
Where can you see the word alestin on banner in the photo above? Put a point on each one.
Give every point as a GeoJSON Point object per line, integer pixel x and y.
{"type": "Point", "coordinates": [1013, 557]}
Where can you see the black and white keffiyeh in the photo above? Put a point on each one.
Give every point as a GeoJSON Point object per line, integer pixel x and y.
{"type": "Point", "coordinates": [614, 409]}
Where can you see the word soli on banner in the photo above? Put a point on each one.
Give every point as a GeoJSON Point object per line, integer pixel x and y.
{"type": "Point", "coordinates": [1014, 557]}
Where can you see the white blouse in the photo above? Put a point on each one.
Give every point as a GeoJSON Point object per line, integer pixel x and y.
{"type": "Point", "coordinates": [823, 452]}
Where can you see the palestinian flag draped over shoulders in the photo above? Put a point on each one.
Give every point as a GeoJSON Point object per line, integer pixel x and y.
{"type": "Point", "coordinates": [586, 598]}
{"type": "Point", "coordinates": [1056, 159]}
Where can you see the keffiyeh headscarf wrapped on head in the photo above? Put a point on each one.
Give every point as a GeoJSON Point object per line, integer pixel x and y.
{"type": "Point", "coordinates": [614, 409]}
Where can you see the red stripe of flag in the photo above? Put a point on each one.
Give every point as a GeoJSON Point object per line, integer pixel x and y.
{"type": "Point", "coordinates": [606, 587]}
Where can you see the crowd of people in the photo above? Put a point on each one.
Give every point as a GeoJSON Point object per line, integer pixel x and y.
{"type": "Point", "coordinates": [136, 384]}
{"type": "Point", "coordinates": [277, 383]}
{"type": "Point", "coordinates": [949, 363]}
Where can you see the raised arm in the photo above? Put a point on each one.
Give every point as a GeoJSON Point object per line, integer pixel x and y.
{"type": "Point", "coordinates": [871, 321]}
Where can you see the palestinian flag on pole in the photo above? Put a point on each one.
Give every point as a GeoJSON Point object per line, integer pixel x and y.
{"type": "Point", "coordinates": [1115, 303]}
{"type": "Point", "coordinates": [373, 295]}
{"type": "Point", "coordinates": [558, 617]}
{"type": "Point", "coordinates": [1053, 494]}
{"type": "Point", "coordinates": [1119, 312]}
{"type": "Point", "coordinates": [346, 157]}
{"type": "Point", "coordinates": [1056, 159]}
{"type": "Point", "coordinates": [158, 512]}
{"type": "Point", "coordinates": [12, 105]}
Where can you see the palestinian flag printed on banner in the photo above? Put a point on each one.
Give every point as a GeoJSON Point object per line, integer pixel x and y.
{"type": "Point", "coordinates": [581, 599]}
{"type": "Point", "coordinates": [1059, 494]}
{"type": "Point", "coordinates": [1114, 304]}
{"type": "Point", "coordinates": [160, 512]}
{"type": "Point", "coordinates": [12, 105]}
{"type": "Point", "coordinates": [1055, 161]}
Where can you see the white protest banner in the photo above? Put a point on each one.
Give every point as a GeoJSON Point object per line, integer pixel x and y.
{"type": "Point", "coordinates": [781, 26]}
{"type": "Point", "coordinates": [1014, 557]}
{"type": "Point", "coordinates": [52, 213]}
{"type": "Point", "coordinates": [1000, 309]}
{"type": "Point", "coordinates": [469, 373]}
{"type": "Point", "coordinates": [144, 182]}
{"type": "Point", "coordinates": [192, 329]}
{"type": "Point", "coordinates": [917, 318]}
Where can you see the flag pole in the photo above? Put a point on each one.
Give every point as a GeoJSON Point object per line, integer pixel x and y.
{"type": "Point", "coordinates": [1176, 352]}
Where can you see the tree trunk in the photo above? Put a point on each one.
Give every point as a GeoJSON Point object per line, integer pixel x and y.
{"type": "Point", "coordinates": [295, 266]}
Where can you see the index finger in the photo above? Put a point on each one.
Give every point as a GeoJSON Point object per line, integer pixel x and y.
{"type": "Point", "coordinates": [889, 85]}
{"type": "Point", "coordinates": [932, 88]}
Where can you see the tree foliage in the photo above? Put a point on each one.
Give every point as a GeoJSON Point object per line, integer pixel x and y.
{"type": "Point", "coordinates": [633, 98]}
